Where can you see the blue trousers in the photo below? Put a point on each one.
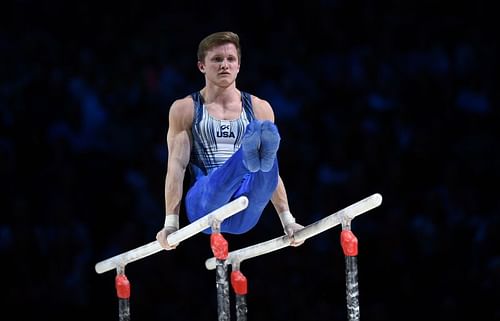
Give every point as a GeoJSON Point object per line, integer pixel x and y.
{"type": "Point", "coordinates": [227, 183]}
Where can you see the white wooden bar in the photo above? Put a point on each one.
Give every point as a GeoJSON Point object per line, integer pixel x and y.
{"type": "Point", "coordinates": [308, 231]}
{"type": "Point", "coordinates": [220, 214]}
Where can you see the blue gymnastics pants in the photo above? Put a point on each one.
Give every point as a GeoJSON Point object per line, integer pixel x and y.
{"type": "Point", "coordinates": [227, 183]}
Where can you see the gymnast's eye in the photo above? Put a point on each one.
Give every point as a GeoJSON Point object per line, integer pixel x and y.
{"type": "Point", "coordinates": [218, 59]}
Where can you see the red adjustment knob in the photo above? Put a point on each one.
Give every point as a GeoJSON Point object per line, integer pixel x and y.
{"type": "Point", "coordinates": [239, 282]}
{"type": "Point", "coordinates": [219, 246]}
{"type": "Point", "coordinates": [122, 286]}
{"type": "Point", "coordinates": [349, 243]}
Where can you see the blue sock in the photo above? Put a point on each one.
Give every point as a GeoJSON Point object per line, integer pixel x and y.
{"type": "Point", "coordinates": [250, 145]}
{"type": "Point", "coordinates": [270, 142]}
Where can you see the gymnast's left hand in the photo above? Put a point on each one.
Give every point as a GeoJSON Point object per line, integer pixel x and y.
{"type": "Point", "coordinates": [290, 226]}
{"type": "Point", "coordinates": [161, 237]}
{"type": "Point", "coordinates": [290, 230]}
{"type": "Point", "coordinates": [171, 225]}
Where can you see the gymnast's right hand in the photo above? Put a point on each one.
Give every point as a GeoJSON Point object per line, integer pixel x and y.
{"type": "Point", "coordinates": [171, 226]}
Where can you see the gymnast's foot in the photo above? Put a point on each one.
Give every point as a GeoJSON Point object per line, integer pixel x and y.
{"type": "Point", "coordinates": [250, 145]}
{"type": "Point", "coordinates": [270, 142]}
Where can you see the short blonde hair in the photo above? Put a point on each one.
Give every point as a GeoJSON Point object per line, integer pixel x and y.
{"type": "Point", "coordinates": [217, 39]}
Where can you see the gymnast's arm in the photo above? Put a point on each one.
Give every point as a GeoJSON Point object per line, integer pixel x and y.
{"type": "Point", "coordinates": [263, 110]}
{"type": "Point", "coordinates": [280, 202]}
{"type": "Point", "coordinates": [179, 149]}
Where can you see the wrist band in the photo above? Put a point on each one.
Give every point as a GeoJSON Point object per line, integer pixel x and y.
{"type": "Point", "coordinates": [286, 218]}
{"type": "Point", "coordinates": [172, 220]}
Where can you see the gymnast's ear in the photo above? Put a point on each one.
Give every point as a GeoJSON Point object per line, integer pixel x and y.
{"type": "Point", "coordinates": [201, 67]}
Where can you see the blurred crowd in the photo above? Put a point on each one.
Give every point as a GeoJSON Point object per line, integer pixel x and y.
{"type": "Point", "coordinates": [370, 97]}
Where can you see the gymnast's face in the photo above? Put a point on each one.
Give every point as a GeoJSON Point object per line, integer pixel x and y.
{"type": "Point", "coordinates": [221, 65]}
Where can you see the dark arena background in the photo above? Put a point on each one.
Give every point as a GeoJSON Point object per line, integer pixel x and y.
{"type": "Point", "coordinates": [392, 97]}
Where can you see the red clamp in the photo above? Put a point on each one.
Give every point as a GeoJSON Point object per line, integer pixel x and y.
{"type": "Point", "coordinates": [122, 286]}
{"type": "Point", "coordinates": [219, 246]}
{"type": "Point", "coordinates": [239, 282]}
{"type": "Point", "coordinates": [349, 243]}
